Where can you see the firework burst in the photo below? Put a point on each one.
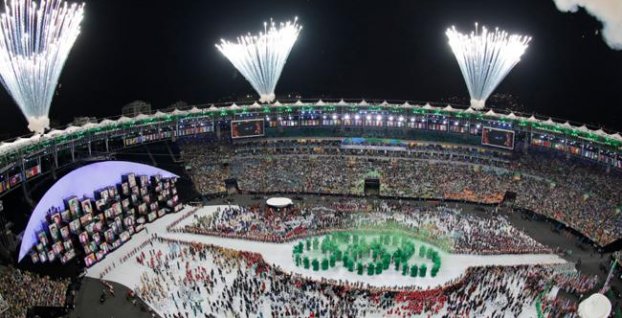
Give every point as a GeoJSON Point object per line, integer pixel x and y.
{"type": "Point", "coordinates": [261, 58]}
{"type": "Point", "coordinates": [36, 40]}
{"type": "Point", "coordinates": [485, 59]}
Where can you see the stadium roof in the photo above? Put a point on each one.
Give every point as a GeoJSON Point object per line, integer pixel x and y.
{"type": "Point", "coordinates": [523, 120]}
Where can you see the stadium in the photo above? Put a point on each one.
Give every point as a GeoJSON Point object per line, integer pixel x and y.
{"type": "Point", "coordinates": [322, 207]}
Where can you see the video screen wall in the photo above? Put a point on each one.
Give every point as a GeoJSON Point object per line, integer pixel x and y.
{"type": "Point", "coordinates": [90, 228]}
{"type": "Point", "coordinates": [247, 128]}
{"type": "Point", "coordinates": [496, 137]}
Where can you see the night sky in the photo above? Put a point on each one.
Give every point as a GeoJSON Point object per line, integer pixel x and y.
{"type": "Point", "coordinates": [163, 51]}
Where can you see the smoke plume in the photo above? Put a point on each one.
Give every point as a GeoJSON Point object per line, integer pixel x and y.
{"type": "Point", "coordinates": [608, 12]}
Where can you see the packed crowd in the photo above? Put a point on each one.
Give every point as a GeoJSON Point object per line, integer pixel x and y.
{"type": "Point", "coordinates": [110, 267]}
{"type": "Point", "coordinates": [205, 166]}
{"type": "Point", "coordinates": [448, 228]}
{"type": "Point", "coordinates": [576, 283]}
{"type": "Point", "coordinates": [23, 290]}
{"type": "Point", "coordinates": [185, 279]}
{"type": "Point", "coordinates": [346, 175]}
{"type": "Point", "coordinates": [508, 287]}
{"type": "Point", "coordinates": [578, 194]}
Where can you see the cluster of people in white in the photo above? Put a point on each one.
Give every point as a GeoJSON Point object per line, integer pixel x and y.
{"type": "Point", "coordinates": [450, 228]}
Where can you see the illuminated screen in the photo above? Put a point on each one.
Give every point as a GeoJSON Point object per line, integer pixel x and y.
{"type": "Point", "coordinates": [247, 128]}
{"type": "Point", "coordinates": [500, 138]}
{"type": "Point", "coordinates": [81, 181]}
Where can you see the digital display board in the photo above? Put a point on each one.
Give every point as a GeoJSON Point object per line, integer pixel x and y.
{"type": "Point", "coordinates": [247, 128]}
{"type": "Point", "coordinates": [83, 180]}
{"type": "Point", "coordinates": [496, 137]}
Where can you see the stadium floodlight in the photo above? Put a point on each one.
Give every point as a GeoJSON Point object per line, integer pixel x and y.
{"type": "Point", "coordinates": [36, 40]}
{"type": "Point", "coordinates": [261, 58]}
{"type": "Point", "coordinates": [486, 58]}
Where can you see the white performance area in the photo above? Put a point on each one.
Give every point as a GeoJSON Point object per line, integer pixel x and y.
{"type": "Point", "coordinates": [130, 272]}
{"type": "Point", "coordinates": [279, 202]}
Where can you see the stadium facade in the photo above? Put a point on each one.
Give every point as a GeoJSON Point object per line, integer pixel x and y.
{"type": "Point", "coordinates": [23, 160]}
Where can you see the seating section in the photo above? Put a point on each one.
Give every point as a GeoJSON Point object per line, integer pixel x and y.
{"type": "Point", "coordinates": [582, 195]}
{"type": "Point", "coordinates": [22, 290]}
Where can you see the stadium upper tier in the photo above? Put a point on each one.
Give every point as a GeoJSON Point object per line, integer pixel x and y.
{"type": "Point", "coordinates": [20, 159]}
{"type": "Point", "coordinates": [580, 195]}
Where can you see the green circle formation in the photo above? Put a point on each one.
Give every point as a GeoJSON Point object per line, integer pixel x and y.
{"type": "Point", "coordinates": [367, 253]}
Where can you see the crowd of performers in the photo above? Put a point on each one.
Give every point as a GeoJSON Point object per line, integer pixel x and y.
{"type": "Point", "coordinates": [189, 279]}
{"type": "Point", "coordinates": [449, 228]}
{"type": "Point", "coordinates": [586, 197]}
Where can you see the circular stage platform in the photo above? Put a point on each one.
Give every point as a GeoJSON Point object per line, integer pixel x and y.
{"type": "Point", "coordinates": [279, 202]}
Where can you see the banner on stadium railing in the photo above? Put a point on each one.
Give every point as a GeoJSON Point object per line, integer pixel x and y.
{"type": "Point", "coordinates": [33, 172]}
{"type": "Point", "coordinates": [15, 179]}
{"type": "Point", "coordinates": [497, 137]}
{"type": "Point", "coordinates": [4, 185]}
{"type": "Point", "coordinates": [247, 128]}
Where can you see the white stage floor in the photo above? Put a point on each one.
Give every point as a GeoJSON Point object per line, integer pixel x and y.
{"type": "Point", "coordinates": [454, 265]}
